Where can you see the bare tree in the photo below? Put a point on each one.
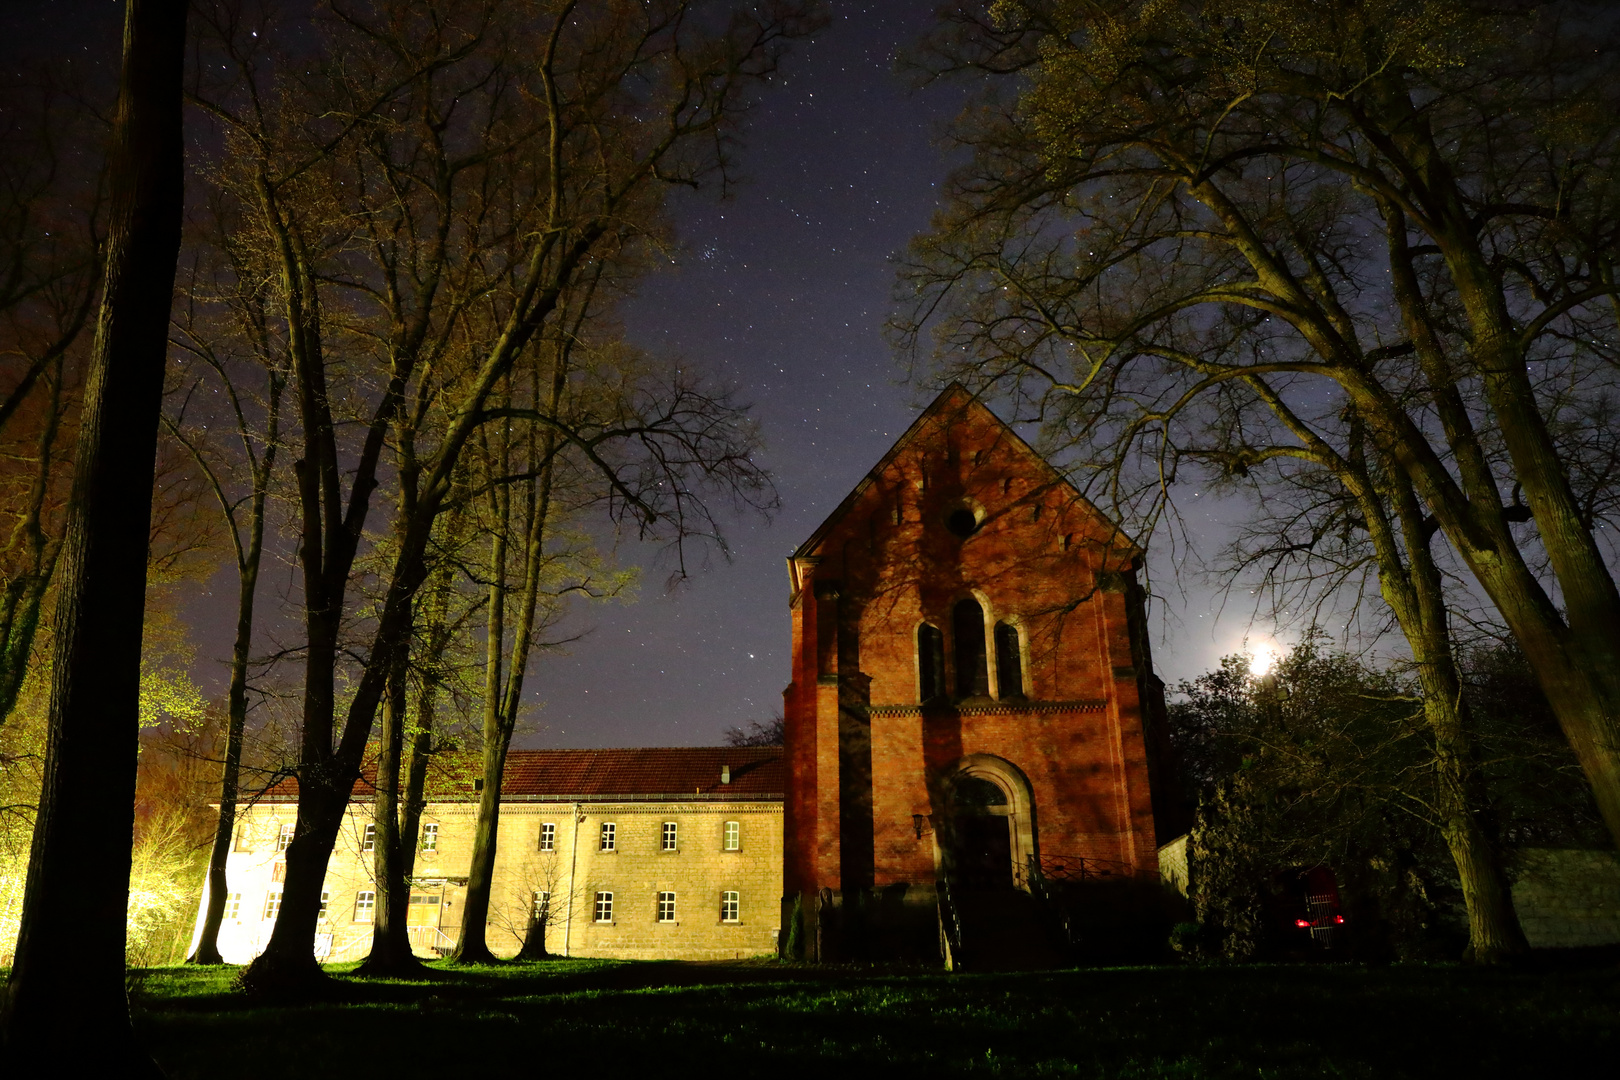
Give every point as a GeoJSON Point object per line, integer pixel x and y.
{"type": "Point", "coordinates": [570, 124]}
{"type": "Point", "coordinates": [65, 999]}
{"type": "Point", "coordinates": [769, 733]}
{"type": "Point", "coordinates": [51, 211]}
{"type": "Point", "coordinates": [1236, 221]}
{"type": "Point", "coordinates": [239, 477]}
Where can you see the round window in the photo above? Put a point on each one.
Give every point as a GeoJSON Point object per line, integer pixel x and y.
{"type": "Point", "coordinates": [962, 522]}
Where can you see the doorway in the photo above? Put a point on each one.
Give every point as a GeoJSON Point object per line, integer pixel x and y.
{"type": "Point", "coordinates": [981, 848]}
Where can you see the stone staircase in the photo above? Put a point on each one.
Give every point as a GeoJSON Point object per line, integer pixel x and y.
{"type": "Point", "coordinates": [997, 930]}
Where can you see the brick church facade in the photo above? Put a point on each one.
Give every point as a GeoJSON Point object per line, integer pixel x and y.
{"type": "Point", "coordinates": [973, 704]}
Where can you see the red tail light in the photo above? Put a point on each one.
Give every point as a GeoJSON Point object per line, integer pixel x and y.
{"type": "Point", "coordinates": [1303, 924]}
{"type": "Point", "coordinates": [1338, 918]}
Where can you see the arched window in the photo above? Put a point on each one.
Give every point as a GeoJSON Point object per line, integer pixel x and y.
{"type": "Point", "coordinates": [1009, 662]}
{"type": "Point", "coordinates": [972, 671]}
{"type": "Point", "coordinates": [930, 662]}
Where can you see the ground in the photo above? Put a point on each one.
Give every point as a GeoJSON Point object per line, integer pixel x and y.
{"type": "Point", "coordinates": [596, 1018]}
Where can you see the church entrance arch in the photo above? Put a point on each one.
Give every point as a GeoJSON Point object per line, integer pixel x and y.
{"type": "Point", "coordinates": [991, 835]}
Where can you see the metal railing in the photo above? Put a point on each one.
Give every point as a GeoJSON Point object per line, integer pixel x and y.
{"type": "Point", "coordinates": [430, 940]}
{"type": "Point", "coordinates": [1076, 868]}
{"type": "Point", "coordinates": [950, 926]}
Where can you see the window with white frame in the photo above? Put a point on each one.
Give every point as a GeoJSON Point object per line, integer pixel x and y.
{"type": "Point", "coordinates": [278, 872]}
{"type": "Point", "coordinates": [666, 907]}
{"type": "Point", "coordinates": [542, 905]}
{"type": "Point", "coordinates": [370, 841]}
{"type": "Point", "coordinates": [604, 907]}
{"type": "Point", "coordinates": [670, 832]}
{"type": "Point", "coordinates": [272, 903]}
{"type": "Point", "coordinates": [548, 836]}
{"type": "Point", "coordinates": [430, 837]}
{"type": "Point", "coordinates": [244, 837]}
{"type": "Point", "coordinates": [286, 836]}
{"type": "Point", "coordinates": [365, 905]}
{"type": "Point", "coordinates": [731, 906]}
{"type": "Point", "coordinates": [325, 897]}
{"type": "Point", "coordinates": [233, 906]}
{"type": "Point", "coordinates": [733, 836]}
{"type": "Point", "coordinates": [609, 836]}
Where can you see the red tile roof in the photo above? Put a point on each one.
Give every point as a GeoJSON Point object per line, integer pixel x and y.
{"type": "Point", "coordinates": [663, 772]}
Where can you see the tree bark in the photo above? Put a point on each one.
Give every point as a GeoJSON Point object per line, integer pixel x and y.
{"type": "Point", "coordinates": [207, 951]}
{"type": "Point", "coordinates": [249, 558]}
{"type": "Point", "coordinates": [534, 938]}
{"type": "Point", "coordinates": [66, 1002]}
{"type": "Point", "coordinates": [390, 938]}
{"type": "Point", "coordinates": [1494, 934]}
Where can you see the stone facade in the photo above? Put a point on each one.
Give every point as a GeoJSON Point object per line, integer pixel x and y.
{"type": "Point", "coordinates": [1567, 898]}
{"type": "Point", "coordinates": [693, 876]}
{"type": "Point", "coordinates": [966, 628]}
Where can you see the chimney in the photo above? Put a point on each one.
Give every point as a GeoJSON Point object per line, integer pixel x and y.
{"type": "Point", "coordinates": [725, 774]}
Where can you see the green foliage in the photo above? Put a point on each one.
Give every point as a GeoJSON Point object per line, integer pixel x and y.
{"type": "Point", "coordinates": [167, 868]}
{"type": "Point", "coordinates": [1322, 762]}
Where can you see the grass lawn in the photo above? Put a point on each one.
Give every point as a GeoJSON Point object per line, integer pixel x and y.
{"type": "Point", "coordinates": [598, 1020]}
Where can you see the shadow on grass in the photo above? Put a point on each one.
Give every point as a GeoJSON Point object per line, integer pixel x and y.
{"type": "Point", "coordinates": [750, 1019]}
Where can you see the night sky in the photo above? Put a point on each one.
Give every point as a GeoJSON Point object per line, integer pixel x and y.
{"type": "Point", "coordinates": [783, 290]}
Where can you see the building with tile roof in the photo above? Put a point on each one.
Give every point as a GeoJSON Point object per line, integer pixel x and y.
{"type": "Point", "coordinates": [642, 853]}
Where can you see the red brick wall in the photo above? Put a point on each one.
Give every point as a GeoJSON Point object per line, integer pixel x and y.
{"type": "Point", "coordinates": [1041, 558]}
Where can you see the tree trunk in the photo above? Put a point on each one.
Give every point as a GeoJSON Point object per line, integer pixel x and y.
{"type": "Point", "coordinates": [503, 698]}
{"type": "Point", "coordinates": [472, 946]}
{"type": "Point", "coordinates": [66, 1002]}
{"type": "Point", "coordinates": [534, 938]}
{"type": "Point", "coordinates": [390, 938]}
{"type": "Point", "coordinates": [1418, 599]}
{"type": "Point", "coordinates": [224, 831]}
{"type": "Point", "coordinates": [413, 802]}
{"type": "Point", "coordinates": [1575, 653]}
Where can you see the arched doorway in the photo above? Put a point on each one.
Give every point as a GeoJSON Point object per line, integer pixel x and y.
{"type": "Point", "coordinates": [982, 840]}
{"type": "Point", "coordinates": [991, 835]}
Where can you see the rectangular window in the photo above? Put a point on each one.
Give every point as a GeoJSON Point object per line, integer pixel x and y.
{"type": "Point", "coordinates": [542, 905]}
{"type": "Point", "coordinates": [285, 836]}
{"type": "Point", "coordinates": [548, 837]}
{"type": "Point", "coordinates": [733, 836]}
{"type": "Point", "coordinates": [278, 872]}
{"type": "Point", "coordinates": [669, 836]}
{"type": "Point", "coordinates": [604, 907]}
{"type": "Point", "coordinates": [233, 906]}
{"type": "Point", "coordinates": [666, 907]}
{"type": "Point", "coordinates": [609, 830]}
{"type": "Point", "coordinates": [430, 838]}
{"type": "Point", "coordinates": [730, 906]}
{"type": "Point", "coordinates": [365, 905]}
{"type": "Point", "coordinates": [244, 837]}
{"type": "Point", "coordinates": [370, 841]}
{"type": "Point", "coordinates": [272, 903]}
{"type": "Point", "coordinates": [325, 896]}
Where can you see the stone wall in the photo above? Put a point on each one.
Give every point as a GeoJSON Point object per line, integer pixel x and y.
{"type": "Point", "coordinates": [698, 871]}
{"type": "Point", "coordinates": [1567, 897]}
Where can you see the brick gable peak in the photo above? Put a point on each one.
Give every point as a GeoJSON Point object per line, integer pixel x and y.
{"type": "Point", "coordinates": [957, 405]}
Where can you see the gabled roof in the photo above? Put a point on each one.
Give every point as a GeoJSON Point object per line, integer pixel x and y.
{"type": "Point", "coordinates": [958, 398]}
{"type": "Point", "coordinates": [652, 772]}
